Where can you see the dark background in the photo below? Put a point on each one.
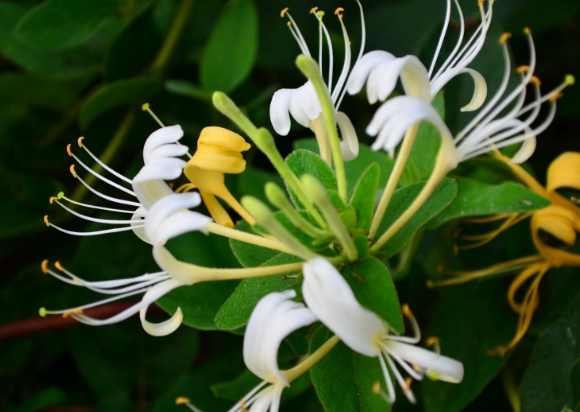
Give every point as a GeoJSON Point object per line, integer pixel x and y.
{"type": "Point", "coordinates": [45, 93]}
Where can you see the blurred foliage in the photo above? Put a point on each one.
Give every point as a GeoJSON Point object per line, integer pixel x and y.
{"type": "Point", "coordinates": [71, 68]}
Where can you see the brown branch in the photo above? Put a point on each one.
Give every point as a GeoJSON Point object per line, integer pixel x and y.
{"type": "Point", "coordinates": [32, 326]}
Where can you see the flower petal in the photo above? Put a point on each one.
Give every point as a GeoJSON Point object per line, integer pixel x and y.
{"type": "Point", "coordinates": [363, 68]}
{"type": "Point", "coordinates": [331, 299]}
{"type": "Point", "coordinates": [165, 135]}
{"type": "Point", "coordinates": [479, 92]}
{"type": "Point", "coordinates": [280, 111]}
{"type": "Point", "coordinates": [169, 326]}
{"type": "Point", "coordinates": [349, 145]}
{"type": "Point", "coordinates": [274, 318]}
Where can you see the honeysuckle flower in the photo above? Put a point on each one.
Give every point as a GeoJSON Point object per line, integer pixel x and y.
{"type": "Point", "coordinates": [169, 217]}
{"type": "Point", "coordinates": [381, 70]}
{"type": "Point", "coordinates": [561, 220]}
{"type": "Point", "coordinates": [332, 301]}
{"type": "Point", "coordinates": [303, 103]}
{"type": "Point", "coordinates": [161, 156]}
{"type": "Point", "coordinates": [274, 318]}
{"type": "Point", "coordinates": [218, 153]}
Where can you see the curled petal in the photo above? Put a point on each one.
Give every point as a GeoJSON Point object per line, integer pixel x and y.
{"type": "Point", "coordinates": [169, 326]}
{"type": "Point", "coordinates": [280, 111]}
{"type": "Point", "coordinates": [167, 150]}
{"type": "Point", "coordinates": [167, 168]}
{"type": "Point", "coordinates": [165, 135]}
{"type": "Point", "coordinates": [167, 206]}
{"type": "Point", "coordinates": [332, 301]}
{"type": "Point", "coordinates": [302, 109]}
{"type": "Point", "coordinates": [526, 151]}
{"type": "Point", "coordinates": [441, 367]}
{"type": "Point", "coordinates": [150, 191]}
{"type": "Point", "coordinates": [413, 75]}
{"type": "Point", "coordinates": [479, 92]}
{"type": "Point", "coordinates": [274, 318]}
{"type": "Point", "coordinates": [363, 68]}
{"type": "Point", "coordinates": [564, 172]}
{"type": "Point", "coordinates": [140, 231]}
{"type": "Point", "coordinates": [349, 145]}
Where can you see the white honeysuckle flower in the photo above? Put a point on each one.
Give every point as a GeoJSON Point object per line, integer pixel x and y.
{"type": "Point", "coordinates": [303, 104]}
{"type": "Point", "coordinates": [274, 318]}
{"type": "Point", "coordinates": [166, 219]}
{"type": "Point", "coordinates": [161, 154]}
{"type": "Point", "coordinates": [381, 70]}
{"type": "Point", "coordinates": [332, 301]}
{"type": "Point", "coordinates": [492, 128]}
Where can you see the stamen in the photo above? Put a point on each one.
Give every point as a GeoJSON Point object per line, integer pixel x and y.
{"type": "Point", "coordinates": [52, 199]}
{"type": "Point", "coordinates": [535, 80]}
{"type": "Point", "coordinates": [523, 69]}
{"type": "Point", "coordinates": [109, 198]}
{"type": "Point", "coordinates": [504, 37]}
{"type": "Point", "coordinates": [407, 387]}
{"type": "Point", "coordinates": [435, 342]}
{"type": "Point", "coordinates": [284, 11]}
{"type": "Point", "coordinates": [376, 387]}
{"type": "Point", "coordinates": [72, 169]}
{"type": "Point", "coordinates": [97, 220]}
{"type": "Point", "coordinates": [44, 266]}
{"type": "Point", "coordinates": [527, 31]}
{"type": "Point", "coordinates": [42, 312]}
{"type": "Point", "coordinates": [407, 311]}
{"type": "Point", "coordinates": [555, 97]}
{"type": "Point", "coordinates": [95, 233]}
{"type": "Point", "coordinates": [46, 222]}
{"type": "Point", "coordinates": [109, 209]}
{"type": "Point", "coordinates": [313, 10]}
{"type": "Point", "coordinates": [338, 10]}
{"type": "Point", "coordinates": [181, 400]}
{"type": "Point", "coordinates": [146, 108]}
{"type": "Point", "coordinates": [58, 266]}
{"type": "Point", "coordinates": [103, 165]}
{"type": "Point", "coordinates": [68, 150]}
{"type": "Point", "coordinates": [80, 141]}
{"type": "Point", "coordinates": [75, 311]}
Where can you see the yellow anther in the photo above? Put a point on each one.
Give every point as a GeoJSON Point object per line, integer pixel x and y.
{"type": "Point", "coordinates": [523, 69]}
{"type": "Point", "coordinates": [145, 107]}
{"type": "Point", "coordinates": [289, 24]}
{"type": "Point", "coordinates": [46, 222]}
{"type": "Point", "coordinates": [313, 10]}
{"type": "Point", "coordinates": [480, 2]}
{"type": "Point", "coordinates": [433, 340]}
{"type": "Point", "coordinates": [504, 37]}
{"type": "Point", "coordinates": [338, 10]}
{"type": "Point", "coordinates": [75, 311]}
{"type": "Point", "coordinates": [416, 366]}
{"type": "Point", "coordinates": [181, 400]}
{"type": "Point", "coordinates": [75, 279]}
{"type": "Point", "coordinates": [569, 80]}
{"type": "Point", "coordinates": [408, 381]}
{"type": "Point", "coordinates": [44, 266]}
{"type": "Point", "coordinates": [80, 141]}
{"type": "Point", "coordinates": [58, 266]}
{"type": "Point", "coordinates": [284, 11]}
{"type": "Point", "coordinates": [68, 149]}
{"type": "Point", "coordinates": [42, 312]}
{"type": "Point", "coordinates": [72, 170]}
{"type": "Point", "coordinates": [407, 311]}
{"type": "Point", "coordinates": [52, 199]}
{"type": "Point", "coordinates": [535, 80]}
{"type": "Point", "coordinates": [377, 387]}
{"type": "Point", "coordinates": [527, 31]}
{"type": "Point", "coordinates": [556, 96]}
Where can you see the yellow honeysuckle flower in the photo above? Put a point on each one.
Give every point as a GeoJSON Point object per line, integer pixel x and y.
{"type": "Point", "coordinates": [218, 153]}
{"type": "Point", "coordinates": [561, 220]}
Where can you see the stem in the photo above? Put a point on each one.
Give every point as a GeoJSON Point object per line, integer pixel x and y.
{"type": "Point", "coordinates": [247, 237]}
{"type": "Point", "coordinates": [394, 178]}
{"type": "Point", "coordinates": [296, 371]}
{"type": "Point", "coordinates": [510, 386]}
{"type": "Point", "coordinates": [446, 161]}
{"type": "Point", "coordinates": [173, 36]}
{"type": "Point", "coordinates": [311, 70]}
{"type": "Point", "coordinates": [111, 149]}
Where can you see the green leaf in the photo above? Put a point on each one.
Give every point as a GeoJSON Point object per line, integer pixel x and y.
{"type": "Point", "coordinates": [373, 287]}
{"type": "Point", "coordinates": [61, 65]}
{"type": "Point", "coordinates": [547, 384]}
{"type": "Point", "coordinates": [427, 142]}
{"type": "Point", "coordinates": [470, 320]}
{"type": "Point", "coordinates": [253, 181]}
{"type": "Point", "coordinates": [477, 199]}
{"type": "Point", "coordinates": [303, 162]}
{"type": "Point", "coordinates": [401, 200]}
{"type": "Point", "coordinates": [19, 88]}
{"type": "Point", "coordinates": [355, 168]}
{"type": "Point", "coordinates": [344, 379]}
{"type": "Point", "coordinates": [117, 94]}
{"type": "Point", "coordinates": [236, 311]}
{"type": "Point", "coordinates": [249, 255]}
{"type": "Point", "coordinates": [188, 89]}
{"type": "Point", "coordinates": [229, 55]}
{"type": "Point", "coordinates": [63, 23]}
{"type": "Point", "coordinates": [363, 197]}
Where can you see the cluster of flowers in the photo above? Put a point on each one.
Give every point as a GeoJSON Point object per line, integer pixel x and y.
{"type": "Point", "coordinates": [159, 213]}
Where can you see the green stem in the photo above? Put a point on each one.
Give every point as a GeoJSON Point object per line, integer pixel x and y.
{"type": "Point", "coordinates": [295, 372]}
{"type": "Point", "coordinates": [394, 179]}
{"type": "Point", "coordinates": [310, 69]}
{"type": "Point", "coordinates": [173, 36]}
{"type": "Point", "coordinates": [247, 237]}
{"type": "Point", "coordinates": [510, 387]}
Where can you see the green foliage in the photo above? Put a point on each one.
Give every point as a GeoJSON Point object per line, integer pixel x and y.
{"type": "Point", "coordinates": [229, 55]}
{"type": "Point", "coordinates": [363, 197]}
{"type": "Point", "coordinates": [480, 199]}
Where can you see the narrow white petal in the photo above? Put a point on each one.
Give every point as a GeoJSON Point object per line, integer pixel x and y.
{"type": "Point", "coordinates": [363, 68]}
{"type": "Point", "coordinates": [165, 135]}
{"type": "Point", "coordinates": [331, 299]}
{"type": "Point", "coordinates": [349, 145]}
{"type": "Point", "coordinates": [525, 151]}
{"type": "Point", "coordinates": [274, 318]}
{"type": "Point", "coordinates": [150, 191]}
{"type": "Point", "coordinates": [479, 92]}
{"type": "Point", "coordinates": [169, 326]}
